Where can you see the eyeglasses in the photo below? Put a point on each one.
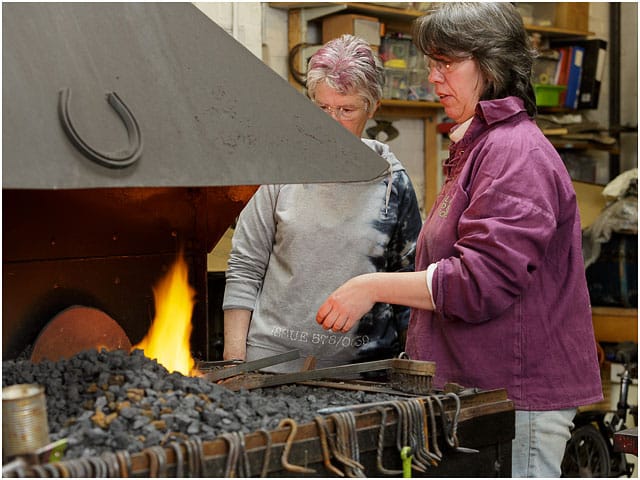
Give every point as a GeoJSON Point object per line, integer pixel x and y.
{"type": "Point", "coordinates": [347, 112]}
{"type": "Point", "coordinates": [442, 66]}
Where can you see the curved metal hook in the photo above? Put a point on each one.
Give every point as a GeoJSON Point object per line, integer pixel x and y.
{"type": "Point", "coordinates": [124, 460]}
{"type": "Point", "coordinates": [434, 431]}
{"type": "Point", "coordinates": [51, 470]}
{"type": "Point", "coordinates": [39, 471]}
{"type": "Point", "coordinates": [340, 447]}
{"type": "Point", "coordinates": [62, 467]}
{"type": "Point", "coordinates": [233, 453]}
{"type": "Point", "coordinates": [109, 160]}
{"type": "Point", "coordinates": [379, 453]}
{"type": "Point", "coordinates": [453, 434]}
{"type": "Point", "coordinates": [157, 461]}
{"type": "Point", "coordinates": [99, 465]}
{"type": "Point", "coordinates": [177, 451]}
{"type": "Point", "coordinates": [199, 447]}
{"type": "Point", "coordinates": [324, 444]}
{"type": "Point", "coordinates": [287, 448]}
{"type": "Point", "coordinates": [267, 453]}
{"type": "Point", "coordinates": [245, 455]}
{"type": "Point", "coordinates": [111, 463]}
{"type": "Point", "coordinates": [189, 448]}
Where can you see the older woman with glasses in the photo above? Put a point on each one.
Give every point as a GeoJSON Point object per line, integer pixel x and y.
{"type": "Point", "coordinates": [499, 294]}
{"type": "Point", "coordinates": [295, 244]}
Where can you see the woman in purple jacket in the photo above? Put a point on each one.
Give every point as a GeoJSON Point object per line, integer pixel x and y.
{"type": "Point", "coordinates": [499, 296]}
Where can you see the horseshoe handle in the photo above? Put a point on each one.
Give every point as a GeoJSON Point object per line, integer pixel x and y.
{"type": "Point", "coordinates": [115, 160]}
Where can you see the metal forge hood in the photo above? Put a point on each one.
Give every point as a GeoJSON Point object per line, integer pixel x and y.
{"type": "Point", "coordinates": [198, 108]}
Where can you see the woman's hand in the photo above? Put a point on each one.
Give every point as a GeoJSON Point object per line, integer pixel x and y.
{"type": "Point", "coordinates": [348, 304]}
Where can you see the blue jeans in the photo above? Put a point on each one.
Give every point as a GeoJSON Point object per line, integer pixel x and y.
{"type": "Point", "coordinates": [540, 441]}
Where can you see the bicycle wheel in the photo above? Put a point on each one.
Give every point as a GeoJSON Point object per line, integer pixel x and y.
{"type": "Point", "coordinates": [586, 454]}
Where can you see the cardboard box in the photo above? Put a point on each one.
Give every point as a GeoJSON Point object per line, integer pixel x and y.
{"type": "Point", "coordinates": [565, 15]}
{"type": "Point", "coordinates": [537, 13]}
{"type": "Point", "coordinates": [572, 16]}
{"type": "Point", "coordinates": [362, 26]}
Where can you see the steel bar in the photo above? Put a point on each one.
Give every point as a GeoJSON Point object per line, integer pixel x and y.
{"type": "Point", "coordinates": [331, 372]}
{"type": "Point", "coordinates": [252, 365]}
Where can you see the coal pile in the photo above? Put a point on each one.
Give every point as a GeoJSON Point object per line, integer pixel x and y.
{"type": "Point", "coordinates": [108, 401]}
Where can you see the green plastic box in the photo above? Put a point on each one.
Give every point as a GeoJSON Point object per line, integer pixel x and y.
{"type": "Point", "coordinates": [548, 95]}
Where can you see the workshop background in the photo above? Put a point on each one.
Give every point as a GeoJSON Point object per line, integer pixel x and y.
{"type": "Point", "coordinates": [264, 29]}
{"type": "Point", "coordinates": [85, 236]}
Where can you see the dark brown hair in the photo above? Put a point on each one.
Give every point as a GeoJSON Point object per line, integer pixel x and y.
{"type": "Point", "coordinates": [493, 34]}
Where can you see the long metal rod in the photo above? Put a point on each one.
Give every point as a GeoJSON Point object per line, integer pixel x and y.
{"type": "Point", "coordinates": [252, 365]}
{"type": "Point", "coordinates": [331, 372]}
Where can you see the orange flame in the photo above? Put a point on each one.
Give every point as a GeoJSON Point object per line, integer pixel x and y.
{"type": "Point", "coordinates": [167, 340]}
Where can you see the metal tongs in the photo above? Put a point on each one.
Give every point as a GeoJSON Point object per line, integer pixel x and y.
{"type": "Point", "coordinates": [239, 367]}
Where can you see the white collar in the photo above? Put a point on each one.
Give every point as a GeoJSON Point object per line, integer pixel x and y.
{"type": "Point", "coordinates": [458, 131]}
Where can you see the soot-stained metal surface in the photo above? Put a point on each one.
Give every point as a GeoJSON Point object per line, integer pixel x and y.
{"type": "Point", "coordinates": [199, 108]}
{"type": "Point", "coordinates": [106, 249]}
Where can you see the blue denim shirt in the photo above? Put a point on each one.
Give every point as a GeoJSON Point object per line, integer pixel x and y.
{"type": "Point", "coordinates": [511, 301]}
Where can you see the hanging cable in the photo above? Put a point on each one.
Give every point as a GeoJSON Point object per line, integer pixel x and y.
{"type": "Point", "coordinates": [297, 75]}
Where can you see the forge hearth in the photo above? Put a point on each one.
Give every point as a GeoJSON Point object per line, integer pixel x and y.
{"type": "Point", "coordinates": [124, 415]}
{"type": "Point", "coordinates": [106, 249]}
{"type": "Point", "coordinates": [108, 401]}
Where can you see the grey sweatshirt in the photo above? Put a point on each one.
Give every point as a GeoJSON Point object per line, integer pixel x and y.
{"type": "Point", "coordinates": [295, 244]}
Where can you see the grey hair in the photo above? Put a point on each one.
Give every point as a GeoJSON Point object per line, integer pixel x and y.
{"type": "Point", "coordinates": [348, 65]}
{"type": "Point", "coordinates": [493, 34]}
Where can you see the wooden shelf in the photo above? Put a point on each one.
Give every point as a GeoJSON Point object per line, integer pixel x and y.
{"type": "Point", "coordinates": [408, 15]}
{"type": "Point", "coordinates": [381, 11]}
{"type": "Point", "coordinates": [566, 144]}
{"type": "Point", "coordinates": [557, 32]}
{"type": "Point", "coordinates": [613, 324]}
{"type": "Point", "coordinates": [395, 20]}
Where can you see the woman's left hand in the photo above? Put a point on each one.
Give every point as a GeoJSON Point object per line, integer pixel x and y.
{"type": "Point", "coordinates": [346, 305]}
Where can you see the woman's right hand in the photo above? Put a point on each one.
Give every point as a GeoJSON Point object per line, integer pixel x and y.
{"type": "Point", "coordinates": [347, 304]}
